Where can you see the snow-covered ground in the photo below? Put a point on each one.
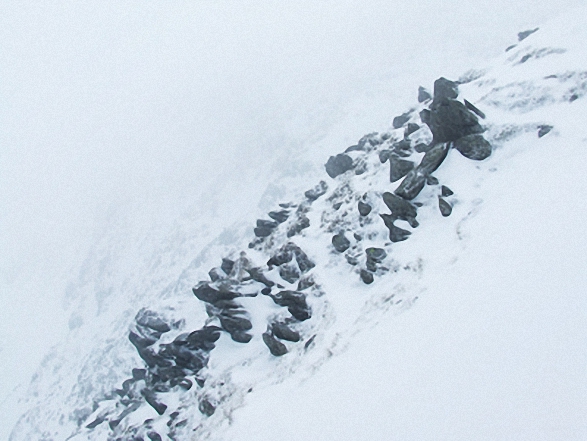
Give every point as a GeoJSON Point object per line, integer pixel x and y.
{"type": "Point", "coordinates": [494, 345]}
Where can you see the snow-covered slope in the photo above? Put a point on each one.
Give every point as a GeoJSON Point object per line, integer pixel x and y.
{"type": "Point", "coordinates": [495, 333]}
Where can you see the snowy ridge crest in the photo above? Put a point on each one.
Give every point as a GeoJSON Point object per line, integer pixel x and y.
{"type": "Point", "coordinates": [320, 268]}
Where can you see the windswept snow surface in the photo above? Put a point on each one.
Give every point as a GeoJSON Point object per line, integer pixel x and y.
{"type": "Point", "coordinates": [493, 344]}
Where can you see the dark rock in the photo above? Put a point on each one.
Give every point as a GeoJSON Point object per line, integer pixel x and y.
{"type": "Point", "coordinates": [451, 120]}
{"type": "Point", "coordinates": [204, 338]}
{"type": "Point", "coordinates": [433, 158]}
{"type": "Point", "coordinates": [151, 320]}
{"type": "Point", "coordinates": [227, 266]}
{"type": "Point", "coordinates": [364, 209]}
{"type": "Point", "coordinates": [99, 420]}
{"type": "Point", "coordinates": [375, 254]}
{"type": "Point", "coordinates": [431, 180]}
{"type": "Point", "coordinates": [357, 237]}
{"type": "Point", "coordinates": [366, 139]}
{"type": "Point", "coordinates": [262, 223]}
{"type": "Point", "coordinates": [399, 168]}
{"type": "Point", "coordinates": [140, 341]}
{"type": "Point", "coordinates": [366, 277]}
{"type": "Point", "coordinates": [426, 116]}
{"type": "Point", "coordinates": [306, 283]}
{"type": "Point", "coordinates": [354, 148]}
{"type": "Point", "coordinates": [151, 398]}
{"type": "Point", "coordinates": [266, 291]}
{"type": "Point", "coordinates": [295, 303]}
{"type": "Point", "coordinates": [445, 207]}
{"type": "Point", "coordinates": [423, 95]}
{"type": "Point", "coordinates": [289, 272]}
{"type": "Point", "coordinates": [411, 128]}
{"type": "Point", "coordinates": [279, 216]}
{"type": "Point", "coordinates": [396, 234]}
{"type": "Point", "coordinates": [337, 206]}
{"type": "Point", "coordinates": [206, 407]}
{"type": "Point", "coordinates": [301, 224]}
{"type": "Point", "coordinates": [275, 347]}
{"type": "Point", "coordinates": [473, 147]}
{"type": "Point", "coordinates": [257, 275]}
{"type": "Point", "coordinates": [235, 324]}
{"type": "Point", "coordinates": [474, 109]}
{"type": "Point", "coordinates": [402, 148]}
{"type": "Point", "coordinates": [139, 374]}
{"type": "Point", "coordinates": [339, 164]}
{"type": "Point", "coordinates": [264, 228]}
{"type": "Point", "coordinates": [241, 337]}
{"type": "Point", "coordinates": [399, 207]}
{"type": "Point", "coordinates": [525, 34]}
{"type": "Point", "coordinates": [412, 185]}
{"type": "Point", "coordinates": [340, 243]}
{"type": "Point", "coordinates": [284, 332]}
{"type": "Point", "coordinates": [544, 130]}
{"type": "Point", "coordinates": [204, 292]}
{"type": "Point", "coordinates": [287, 252]}
{"type": "Point", "coordinates": [445, 89]}
{"type": "Point", "coordinates": [510, 47]}
{"type": "Point", "coordinates": [399, 121]}
{"type": "Point", "coordinates": [384, 155]}
{"type": "Point", "coordinates": [154, 436]}
{"type": "Point", "coordinates": [317, 191]}
{"type": "Point", "coordinates": [216, 274]}
{"type": "Point", "coordinates": [446, 191]}
{"type": "Point", "coordinates": [422, 147]}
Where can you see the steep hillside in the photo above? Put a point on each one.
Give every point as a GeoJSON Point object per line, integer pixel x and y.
{"type": "Point", "coordinates": [447, 213]}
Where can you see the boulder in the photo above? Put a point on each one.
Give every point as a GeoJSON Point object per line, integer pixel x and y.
{"type": "Point", "coordinates": [275, 347]}
{"type": "Point", "coordinates": [364, 209]}
{"type": "Point", "coordinates": [227, 266]}
{"type": "Point", "coordinates": [445, 207]}
{"type": "Point", "coordinates": [375, 254]}
{"type": "Point", "coordinates": [279, 216]}
{"type": "Point", "coordinates": [340, 242]}
{"type": "Point", "coordinates": [399, 207]}
{"type": "Point", "coordinates": [399, 121]}
{"type": "Point", "coordinates": [396, 234]}
{"type": "Point", "coordinates": [339, 164]}
{"type": "Point", "coordinates": [423, 95]}
{"type": "Point", "coordinates": [284, 332]}
{"type": "Point", "coordinates": [150, 319]}
{"type": "Point", "coordinates": [366, 277]}
{"type": "Point", "coordinates": [445, 89]}
{"type": "Point", "coordinates": [450, 120]}
{"type": "Point", "coordinates": [433, 158]}
{"type": "Point", "coordinates": [474, 147]}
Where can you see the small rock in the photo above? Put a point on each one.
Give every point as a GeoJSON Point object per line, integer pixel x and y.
{"type": "Point", "coordinates": [474, 147]}
{"type": "Point", "coordinates": [154, 436]}
{"type": "Point", "coordinates": [306, 283]}
{"type": "Point", "coordinates": [399, 121]}
{"type": "Point", "coordinates": [411, 128]}
{"type": "Point", "coordinates": [301, 224]}
{"type": "Point", "coordinates": [433, 158]}
{"type": "Point", "coordinates": [445, 207]}
{"type": "Point", "coordinates": [399, 168]}
{"type": "Point", "coordinates": [396, 234]}
{"type": "Point", "coordinates": [284, 332]}
{"type": "Point", "coordinates": [206, 407]}
{"type": "Point", "coordinates": [227, 266]}
{"type": "Point", "coordinates": [279, 216]}
{"type": "Point", "coordinates": [289, 272]}
{"type": "Point", "coordinates": [525, 34]}
{"type": "Point", "coordinates": [376, 254]}
{"type": "Point", "coordinates": [431, 180]}
{"type": "Point", "coordinates": [317, 191]}
{"type": "Point", "coordinates": [204, 292]}
{"type": "Point", "coordinates": [339, 164]}
{"type": "Point", "coordinates": [544, 130]}
{"type": "Point", "coordinates": [364, 209]}
{"type": "Point", "coordinates": [340, 243]}
{"type": "Point", "coordinates": [446, 191]}
{"type": "Point", "coordinates": [400, 208]}
{"type": "Point", "coordinates": [216, 274]}
{"type": "Point", "coordinates": [275, 347]}
{"type": "Point", "coordinates": [151, 320]}
{"type": "Point", "coordinates": [366, 277]}
{"type": "Point", "coordinates": [474, 109]}
{"type": "Point", "coordinates": [423, 95]}
{"type": "Point", "coordinates": [384, 155]}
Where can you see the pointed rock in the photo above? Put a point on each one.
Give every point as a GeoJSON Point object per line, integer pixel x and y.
{"type": "Point", "coordinates": [399, 168]}
{"type": "Point", "coordinates": [445, 207]}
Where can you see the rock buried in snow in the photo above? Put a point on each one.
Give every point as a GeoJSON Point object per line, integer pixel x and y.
{"type": "Point", "coordinates": [400, 208]}
{"type": "Point", "coordinates": [284, 332]}
{"type": "Point", "coordinates": [399, 168]}
{"type": "Point", "coordinates": [445, 207]}
{"type": "Point", "coordinates": [275, 347]}
{"type": "Point", "coordinates": [339, 164]}
{"type": "Point", "coordinates": [317, 191]}
{"type": "Point", "coordinates": [474, 147]}
{"type": "Point", "coordinates": [279, 216]}
{"type": "Point", "coordinates": [340, 243]}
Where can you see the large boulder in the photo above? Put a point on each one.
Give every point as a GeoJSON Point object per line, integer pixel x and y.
{"type": "Point", "coordinates": [412, 185]}
{"type": "Point", "coordinates": [450, 120]}
{"type": "Point", "coordinates": [339, 164]}
{"type": "Point", "coordinates": [473, 147]}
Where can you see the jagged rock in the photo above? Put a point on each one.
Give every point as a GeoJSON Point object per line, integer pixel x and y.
{"type": "Point", "coordinates": [306, 283]}
{"type": "Point", "coordinates": [445, 89]}
{"type": "Point", "coordinates": [257, 275]}
{"type": "Point", "coordinates": [204, 292]}
{"type": "Point", "coordinates": [525, 34]}
{"type": "Point", "coordinates": [399, 168]}
{"type": "Point", "coordinates": [289, 272]}
{"type": "Point", "coordinates": [423, 95]}
{"type": "Point", "coordinates": [287, 252]}
{"type": "Point", "coordinates": [450, 120]}
{"type": "Point", "coordinates": [279, 216]}
{"type": "Point", "coordinates": [402, 148]}
{"type": "Point", "coordinates": [141, 341]}
{"type": "Point", "coordinates": [544, 130]}
{"type": "Point", "coordinates": [264, 228]}
{"type": "Point", "coordinates": [99, 420]}
{"type": "Point", "coordinates": [431, 180]}
{"type": "Point", "coordinates": [340, 243]}
{"type": "Point", "coordinates": [275, 347]}
{"type": "Point", "coordinates": [433, 158]}
{"type": "Point", "coordinates": [384, 155]}
{"type": "Point", "coordinates": [139, 374]}
{"type": "Point", "coordinates": [151, 398]}
{"type": "Point", "coordinates": [399, 121]}
{"type": "Point", "coordinates": [411, 128]}
{"type": "Point", "coordinates": [364, 209]}
{"type": "Point", "coordinates": [396, 234]}
{"type": "Point", "coordinates": [375, 254]}
{"type": "Point", "coordinates": [399, 207]}
{"type": "Point", "coordinates": [151, 320]}
{"type": "Point", "coordinates": [412, 185]}
{"type": "Point", "coordinates": [474, 147]}
{"type": "Point", "coordinates": [317, 191]}
{"type": "Point", "coordinates": [445, 191]}
{"type": "Point", "coordinates": [295, 303]}
{"type": "Point", "coordinates": [445, 207]}
{"type": "Point", "coordinates": [284, 332]}
{"type": "Point", "coordinates": [339, 164]}
{"type": "Point", "coordinates": [216, 274]}
{"type": "Point", "coordinates": [366, 277]}
{"type": "Point", "coordinates": [206, 407]}
{"type": "Point", "coordinates": [301, 224]}
{"type": "Point", "coordinates": [474, 109]}
{"type": "Point", "coordinates": [227, 266]}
